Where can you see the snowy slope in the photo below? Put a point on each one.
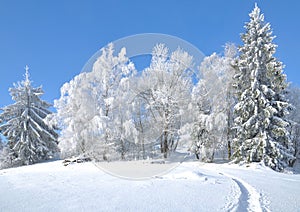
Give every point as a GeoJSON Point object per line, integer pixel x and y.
{"type": "Point", "coordinates": [191, 186]}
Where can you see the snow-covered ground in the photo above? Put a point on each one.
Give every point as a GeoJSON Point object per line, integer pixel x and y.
{"type": "Point", "coordinates": [190, 186]}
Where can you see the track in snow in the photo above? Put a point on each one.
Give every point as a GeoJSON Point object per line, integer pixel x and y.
{"type": "Point", "coordinates": [249, 199]}
{"type": "Point", "coordinates": [244, 197]}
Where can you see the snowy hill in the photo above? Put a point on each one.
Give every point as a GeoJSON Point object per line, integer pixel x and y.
{"type": "Point", "coordinates": [191, 186]}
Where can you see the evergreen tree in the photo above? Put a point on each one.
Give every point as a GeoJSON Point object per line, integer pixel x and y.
{"type": "Point", "coordinates": [262, 130]}
{"type": "Point", "coordinates": [29, 139]}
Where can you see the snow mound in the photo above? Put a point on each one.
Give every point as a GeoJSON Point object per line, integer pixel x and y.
{"type": "Point", "coordinates": [187, 175]}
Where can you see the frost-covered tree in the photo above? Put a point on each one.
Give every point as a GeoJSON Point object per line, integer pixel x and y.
{"type": "Point", "coordinates": [1, 144]}
{"type": "Point", "coordinates": [1, 151]}
{"type": "Point", "coordinates": [294, 116]}
{"type": "Point", "coordinates": [200, 127]}
{"type": "Point", "coordinates": [212, 102]}
{"type": "Point", "coordinates": [228, 78]}
{"type": "Point", "coordinates": [4, 156]}
{"type": "Point", "coordinates": [109, 82]}
{"type": "Point", "coordinates": [262, 130]}
{"type": "Point", "coordinates": [124, 133]}
{"type": "Point", "coordinates": [165, 91]}
{"type": "Point", "coordinates": [88, 110]}
{"type": "Point", "coordinates": [75, 116]}
{"type": "Point", "coordinates": [141, 128]}
{"type": "Point", "coordinates": [30, 139]}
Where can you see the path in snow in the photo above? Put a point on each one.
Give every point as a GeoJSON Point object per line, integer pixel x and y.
{"type": "Point", "coordinates": [277, 191]}
{"type": "Point", "coordinates": [244, 197]}
{"type": "Point", "coordinates": [249, 199]}
{"type": "Point", "coordinates": [254, 184]}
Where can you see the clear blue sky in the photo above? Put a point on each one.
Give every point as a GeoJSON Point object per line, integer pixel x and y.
{"type": "Point", "coordinates": [56, 37]}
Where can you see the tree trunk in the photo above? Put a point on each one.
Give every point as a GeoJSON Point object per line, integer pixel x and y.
{"type": "Point", "coordinates": [143, 148]}
{"type": "Point", "coordinates": [165, 147]}
{"type": "Point", "coordinates": [228, 148]}
{"type": "Point", "coordinates": [161, 144]}
{"type": "Point", "coordinates": [228, 124]}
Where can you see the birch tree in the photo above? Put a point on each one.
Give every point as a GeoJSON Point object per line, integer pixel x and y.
{"type": "Point", "coordinates": [167, 93]}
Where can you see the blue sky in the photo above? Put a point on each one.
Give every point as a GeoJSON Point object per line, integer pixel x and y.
{"type": "Point", "coordinates": [56, 38]}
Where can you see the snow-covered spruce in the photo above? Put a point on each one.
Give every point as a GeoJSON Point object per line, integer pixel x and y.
{"type": "Point", "coordinates": [262, 130]}
{"type": "Point", "coordinates": [30, 139]}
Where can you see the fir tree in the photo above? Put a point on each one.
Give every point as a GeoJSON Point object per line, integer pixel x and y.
{"type": "Point", "coordinates": [30, 140]}
{"type": "Point", "coordinates": [262, 130]}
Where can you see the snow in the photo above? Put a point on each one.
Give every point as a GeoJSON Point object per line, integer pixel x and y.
{"type": "Point", "coordinates": [188, 186]}
{"type": "Point", "coordinates": [278, 191]}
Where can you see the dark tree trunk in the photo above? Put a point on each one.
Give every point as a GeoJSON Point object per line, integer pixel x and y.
{"type": "Point", "coordinates": [161, 144]}
{"type": "Point", "coordinates": [165, 147]}
{"type": "Point", "coordinates": [229, 148]}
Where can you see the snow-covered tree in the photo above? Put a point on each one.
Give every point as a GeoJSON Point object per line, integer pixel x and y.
{"type": "Point", "coordinates": [229, 72]}
{"type": "Point", "coordinates": [1, 151]}
{"type": "Point", "coordinates": [30, 139]}
{"type": "Point", "coordinates": [75, 116]}
{"type": "Point", "coordinates": [262, 130]}
{"type": "Point", "coordinates": [201, 141]}
{"type": "Point", "coordinates": [88, 110]}
{"type": "Point", "coordinates": [4, 156]}
{"type": "Point", "coordinates": [294, 116]}
{"type": "Point", "coordinates": [1, 144]}
{"type": "Point", "coordinates": [165, 91]}
{"type": "Point", "coordinates": [123, 130]}
{"type": "Point", "coordinates": [212, 102]}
